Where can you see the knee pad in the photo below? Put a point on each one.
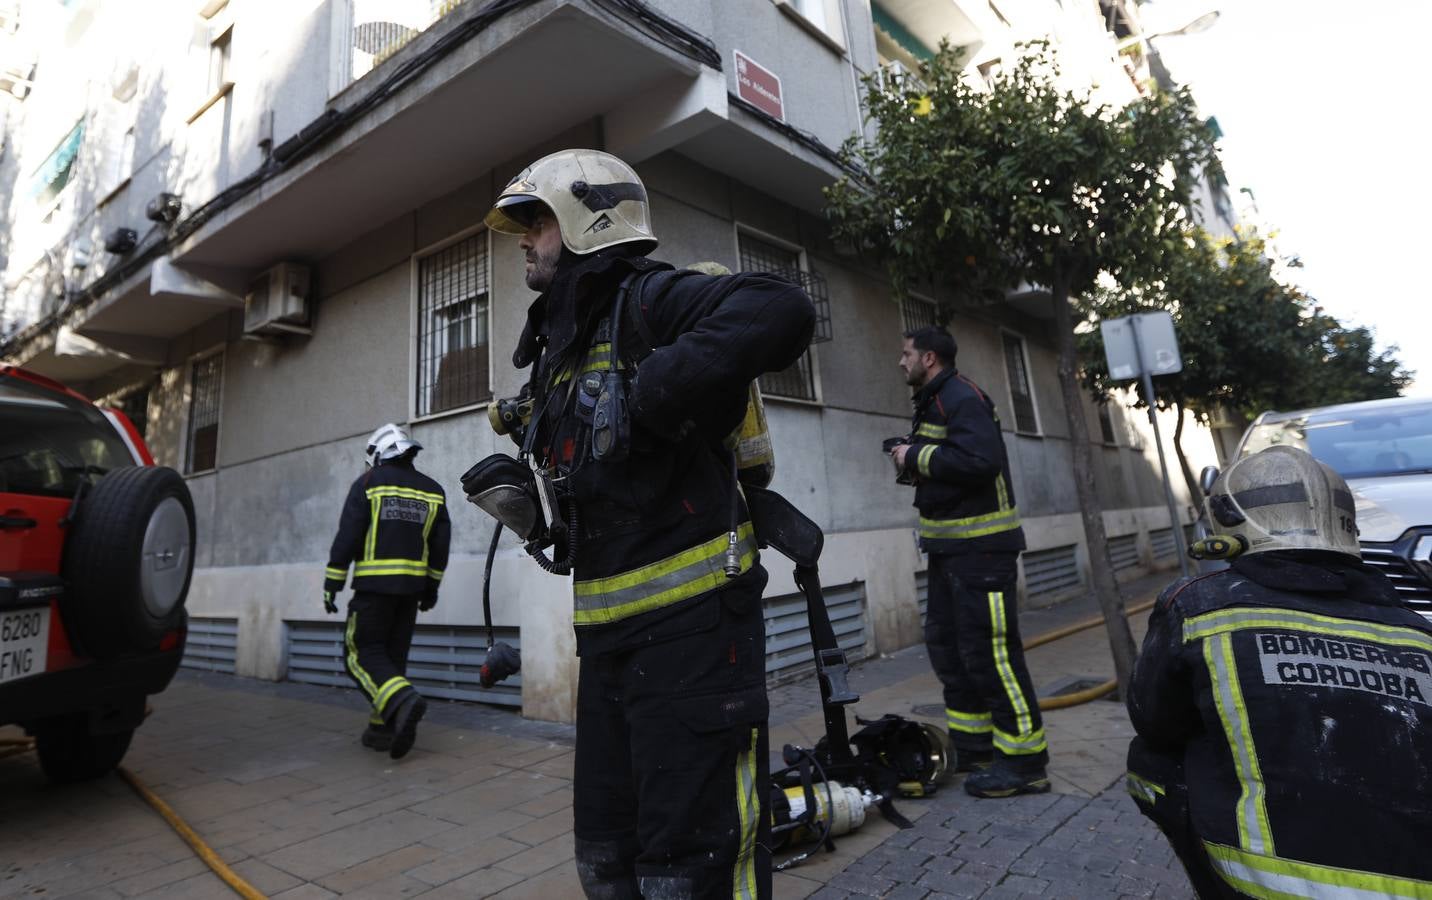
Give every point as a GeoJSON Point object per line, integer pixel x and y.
{"type": "Point", "coordinates": [606, 869]}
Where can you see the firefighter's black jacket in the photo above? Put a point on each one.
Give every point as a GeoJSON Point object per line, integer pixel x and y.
{"type": "Point", "coordinates": [653, 526]}
{"type": "Point", "coordinates": [1297, 692]}
{"type": "Point", "coordinates": [394, 530]}
{"type": "Point", "coordinates": [961, 470]}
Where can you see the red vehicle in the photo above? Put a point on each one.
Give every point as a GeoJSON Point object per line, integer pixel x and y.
{"type": "Point", "coordinates": [96, 554]}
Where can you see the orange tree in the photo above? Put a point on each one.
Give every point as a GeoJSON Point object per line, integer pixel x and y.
{"type": "Point", "coordinates": [976, 191]}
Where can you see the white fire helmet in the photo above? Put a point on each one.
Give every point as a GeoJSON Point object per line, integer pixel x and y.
{"type": "Point", "coordinates": [598, 201]}
{"type": "Point", "coordinates": [388, 443]}
{"type": "Point", "coordinates": [1283, 499]}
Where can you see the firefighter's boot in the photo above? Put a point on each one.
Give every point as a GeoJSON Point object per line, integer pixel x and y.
{"type": "Point", "coordinates": [405, 724]}
{"type": "Point", "coordinates": [968, 761]}
{"type": "Point", "coordinates": [377, 737]}
{"type": "Point", "coordinates": [1005, 780]}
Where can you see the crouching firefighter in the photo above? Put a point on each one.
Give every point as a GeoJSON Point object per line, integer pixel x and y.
{"type": "Point", "coordinates": [639, 373]}
{"type": "Point", "coordinates": [1284, 705]}
{"type": "Point", "coordinates": [394, 530]}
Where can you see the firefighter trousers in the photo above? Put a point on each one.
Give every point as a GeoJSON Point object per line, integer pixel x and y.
{"type": "Point", "coordinates": [972, 635]}
{"type": "Point", "coordinates": [376, 639]}
{"type": "Point", "coordinates": [672, 771]}
{"type": "Point", "coordinates": [1160, 791]}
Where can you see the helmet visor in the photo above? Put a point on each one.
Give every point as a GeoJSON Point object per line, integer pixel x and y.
{"type": "Point", "coordinates": [513, 214]}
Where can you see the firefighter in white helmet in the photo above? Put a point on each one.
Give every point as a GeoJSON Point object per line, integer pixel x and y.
{"type": "Point", "coordinates": [1284, 705]}
{"type": "Point", "coordinates": [394, 531]}
{"type": "Point", "coordinates": [671, 710]}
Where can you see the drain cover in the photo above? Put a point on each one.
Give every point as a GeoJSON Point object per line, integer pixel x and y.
{"type": "Point", "coordinates": [929, 710]}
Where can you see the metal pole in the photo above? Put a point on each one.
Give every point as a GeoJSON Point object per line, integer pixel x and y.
{"type": "Point", "coordinates": [1174, 522]}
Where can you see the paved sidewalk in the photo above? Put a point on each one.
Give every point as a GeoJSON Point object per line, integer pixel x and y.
{"type": "Point", "coordinates": [272, 776]}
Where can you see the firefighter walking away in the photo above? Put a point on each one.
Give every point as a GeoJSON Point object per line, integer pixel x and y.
{"type": "Point", "coordinates": [1284, 705]}
{"type": "Point", "coordinates": [394, 531]}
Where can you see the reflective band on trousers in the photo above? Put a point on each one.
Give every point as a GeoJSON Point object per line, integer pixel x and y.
{"type": "Point", "coordinates": [969, 723]}
{"type": "Point", "coordinates": [971, 526]}
{"type": "Point", "coordinates": [680, 576]}
{"type": "Point", "coordinates": [748, 811]}
{"type": "Point", "coordinates": [1254, 833]}
{"type": "Point", "coordinates": [1259, 875]}
{"type": "Point", "coordinates": [1143, 789]}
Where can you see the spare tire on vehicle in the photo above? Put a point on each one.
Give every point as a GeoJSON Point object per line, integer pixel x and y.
{"type": "Point", "coordinates": [128, 560]}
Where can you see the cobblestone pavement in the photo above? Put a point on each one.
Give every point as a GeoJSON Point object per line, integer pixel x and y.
{"type": "Point", "coordinates": [272, 776]}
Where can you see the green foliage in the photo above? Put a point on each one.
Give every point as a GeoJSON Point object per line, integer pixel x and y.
{"type": "Point", "coordinates": [1249, 342]}
{"type": "Point", "coordinates": [976, 191]}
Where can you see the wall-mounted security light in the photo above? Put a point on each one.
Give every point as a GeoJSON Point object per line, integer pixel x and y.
{"type": "Point", "coordinates": [121, 241]}
{"type": "Point", "coordinates": [164, 208]}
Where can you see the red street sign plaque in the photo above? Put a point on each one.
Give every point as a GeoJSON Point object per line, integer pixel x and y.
{"type": "Point", "coordinates": [759, 86]}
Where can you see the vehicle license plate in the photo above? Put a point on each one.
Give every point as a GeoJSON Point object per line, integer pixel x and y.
{"type": "Point", "coordinates": [24, 642]}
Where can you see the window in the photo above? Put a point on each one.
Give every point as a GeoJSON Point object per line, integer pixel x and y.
{"type": "Point", "coordinates": [819, 17]}
{"type": "Point", "coordinates": [1021, 392]}
{"type": "Point", "coordinates": [917, 312]}
{"type": "Point", "coordinates": [55, 172]}
{"type": "Point", "coordinates": [219, 47]}
{"type": "Point", "coordinates": [47, 441]}
{"type": "Point", "coordinates": [205, 383]}
{"type": "Point", "coordinates": [797, 381]}
{"type": "Point", "coordinates": [135, 407]}
{"type": "Point", "coordinates": [453, 340]}
{"type": "Point", "coordinates": [1106, 422]}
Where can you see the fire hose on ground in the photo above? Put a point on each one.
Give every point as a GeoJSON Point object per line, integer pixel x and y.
{"type": "Point", "coordinates": [16, 746]}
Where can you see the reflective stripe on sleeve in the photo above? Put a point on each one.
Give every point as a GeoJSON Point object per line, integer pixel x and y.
{"type": "Point", "coordinates": [922, 459]}
{"type": "Point", "coordinates": [1142, 789]}
{"type": "Point", "coordinates": [925, 429]}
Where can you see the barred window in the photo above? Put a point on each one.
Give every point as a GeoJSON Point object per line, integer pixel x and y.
{"type": "Point", "coordinates": [916, 312]}
{"type": "Point", "coordinates": [1106, 423]}
{"type": "Point", "coordinates": [205, 386]}
{"type": "Point", "coordinates": [1021, 393]}
{"type": "Point", "coordinates": [797, 381]}
{"type": "Point", "coordinates": [453, 341]}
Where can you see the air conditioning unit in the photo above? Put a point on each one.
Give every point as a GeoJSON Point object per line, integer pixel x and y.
{"type": "Point", "coordinates": [277, 302]}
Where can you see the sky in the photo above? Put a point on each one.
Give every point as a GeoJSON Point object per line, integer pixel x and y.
{"type": "Point", "coordinates": [1323, 107]}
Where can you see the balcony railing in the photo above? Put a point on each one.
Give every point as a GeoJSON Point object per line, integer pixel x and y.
{"type": "Point", "coordinates": [370, 31]}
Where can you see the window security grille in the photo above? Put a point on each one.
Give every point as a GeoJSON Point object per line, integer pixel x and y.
{"type": "Point", "coordinates": [797, 381]}
{"type": "Point", "coordinates": [916, 313]}
{"type": "Point", "coordinates": [1021, 394]}
{"type": "Point", "coordinates": [212, 644]}
{"type": "Point", "coordinates": [1124, 550]}
{"type": "Point", "coordinates": [203, 445]}
{"type": "Point", "coordinates": [1050, 574]}
{"type": "Point", "coordinates": [788, 642]}
{"type": "Point", "coordinates": [1106, 423]}
{"type": "Point", "coordinates": [453, 341]}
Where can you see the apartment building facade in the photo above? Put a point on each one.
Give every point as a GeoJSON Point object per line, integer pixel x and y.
{"type": "Point", "coordinates": [256, 227]}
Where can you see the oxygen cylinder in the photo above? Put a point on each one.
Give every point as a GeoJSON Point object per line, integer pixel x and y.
{"type": "Point", "coordinates": [844, 808]}
{"type": "Point", "coordinates": [751, 442]}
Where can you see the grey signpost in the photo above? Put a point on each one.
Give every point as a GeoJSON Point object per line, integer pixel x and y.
{"type": "Point", "coordinates": [1143, 346]}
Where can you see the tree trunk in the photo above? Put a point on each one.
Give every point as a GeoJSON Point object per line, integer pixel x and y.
{"type": "Point", "coordinates": [1195, 493]}
{"type": "Point", "coordinates": [1101, 565]}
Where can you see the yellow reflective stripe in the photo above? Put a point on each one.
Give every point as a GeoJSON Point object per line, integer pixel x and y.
{"type": "Point", "coordinates": [389, 490]}
{"type": "Point", "coordinates": [673, 579]}
{"type": "Point", "coordinates": [1229, 620]}
{"type": "Point", "coordinates": [370, 541]}
{"type": "Point", "coordinates": [365, 680]}
{"type": "Point", "coordinates": [1001, 492]}
{"type": "Point", "coordinates": [999, 641]}
{"type": "Point", "coordinates": [926, 429]}
{"type": "Point", "coordinates": [428, 527]}
{"type": "Point", "coordinates": [968, 723]}
{"type": "Point", "coordinates": [339, 574]}
{"type": "Point", "coordinates": [386, 692]}
{"type": "Point", "coordinates": [1254, 834]}
{"type": "Point", "coordinates": [1142, 789]}
{"type": "Point", "coordinates": [598, 359]}
{"type": "Point", "coordinates": [972, 526]}
{"type": "Point", "coordinates": [435, 574]}
{"type": "Point", "coordinates": [1020, 744]}
{"type": "Point", "coordinates": [922, 461]}
{"type": "Point", "coordinates": [390, 567]}
{"type": "Point", "coordinates": [374, 718]}
{"type": "Point", "coordinates": [748, 809]}
{"type": "Point", "coordinates": [1267, 876]}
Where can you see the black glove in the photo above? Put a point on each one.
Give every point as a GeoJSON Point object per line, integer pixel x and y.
{"type": "Point", "coordinates": [430, 599]}
{"type": "Point", "coordinates": [330, 605]}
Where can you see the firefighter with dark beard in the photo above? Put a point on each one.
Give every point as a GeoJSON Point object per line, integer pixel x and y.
{"type": "Point", "coordinates": [1284, 705]}
{"type": "Point", "coordinates": [671, 763]}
